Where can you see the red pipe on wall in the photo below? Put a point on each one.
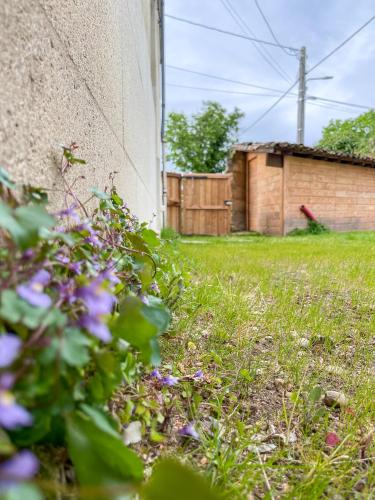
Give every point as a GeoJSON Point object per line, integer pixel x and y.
{"type": "Point", "coordinates": [308, 213]}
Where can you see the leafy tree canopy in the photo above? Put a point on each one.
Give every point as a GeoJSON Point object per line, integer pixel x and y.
{"type": "Point", "coordinates": [202, 143]}
{"type": "Point", "coordinates": [352, 136]}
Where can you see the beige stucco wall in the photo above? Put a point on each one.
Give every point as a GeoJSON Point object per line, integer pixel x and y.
{"type": "Point", "coordinates": [342, 196]}
{"type": "Point", "coordinates": [83, 71]}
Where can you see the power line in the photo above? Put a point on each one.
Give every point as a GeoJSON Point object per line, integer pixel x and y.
{"type": "Point", "coordinates": [245, 28]}
{"type": "Point", "coordinates": [225, 91]}
{"type": "Point", "coordinates": [334, 101]}
{"type": "Point", "coordinates": [278, 91]}
{"type": "Point", "coordinates": [341, 44]}
{"type": "Point", "coordinates": [212, 28]}
{"type": "Point", "coordinates": [328, 106]}
{"type": "Point", "coordinates": [309, 71]}
{"type": "Point", "coordinates": [270, 29]}
{"type": "Point", "coordinates": [270, 108]}
{"type": "Point", "coordinates": [178, 68]}
{"type": "Point", "coordinates": [236, 92]}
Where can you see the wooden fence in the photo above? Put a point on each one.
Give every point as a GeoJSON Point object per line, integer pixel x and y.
{"type": "Point", "coordinates": [199, 203]}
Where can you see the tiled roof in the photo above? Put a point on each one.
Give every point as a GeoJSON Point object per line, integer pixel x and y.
{"type": "Point", "coordinates": [304, 151]}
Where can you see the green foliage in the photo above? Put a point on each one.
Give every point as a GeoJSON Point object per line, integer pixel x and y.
{"type": "Point", "coordinates": [98, 453]}
{"type": "Point", "coordinates": [313, 227]}
{"type": "Point", "coordinates": [168, 233]}
{"type": "Point", "coordinates": [87, 299]}
{"type": "Point", "coordinates": [202, 143]}
{"type": "Point", "coordinates": [355, 136]}
{"type": "Point", "coordinates": [171, 477]}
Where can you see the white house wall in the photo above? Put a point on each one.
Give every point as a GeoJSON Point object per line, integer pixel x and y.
{"type": "Point", "coordinates": [83, 71]}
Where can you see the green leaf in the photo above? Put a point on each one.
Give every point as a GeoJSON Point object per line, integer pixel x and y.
{"type": "Point", "coordinates": [140, 324]}
{"type": "Point", "coordinates": [100, 419]}
{"type": "Point", "coordinates": [15, 310]}
{"type": "Point", "coordinates": [5, 179]}
{"type": "Point", "coordinates": [27, 436]}
{"type": "Point", "coordinates": [100, 194]}
{"type": "Point", "coordinates": [24, 223]}
{"type": "Point", "coordinates": [99, 457]}
{"type": "Point", "coordinates": [150, 237]}
{"type": "Point", "coordinates": [156, 312]}
{"type": "Point", "coordinates": [116, 199]}
{"type": "Point", "coordinates": [74, 347]}
{"type": "Point", "coordinates": [35, 194]}
{"type": "Point", "coordinates": [8, 222]}
{"type": "Point", "coordinates": [171, 480]}
{"type": "Point", "coordinates": [315, 394]}
{"type": "Point", "coordinates": [34, 217]}
{"type": "Point", "coordinates": [6, 446]}
{"type": "Point", "coordinates": [48, 235]}
{"type": "Point", "coordinates": [22, 492]}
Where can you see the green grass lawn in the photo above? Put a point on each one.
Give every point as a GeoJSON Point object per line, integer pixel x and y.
{"type": "Point", "coordinates": [274, 323]}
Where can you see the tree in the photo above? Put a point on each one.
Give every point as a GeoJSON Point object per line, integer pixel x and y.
{"type": "Point", "coordinates": [202, 143]}
{"type": "Point", "coordinates": [352, 136]}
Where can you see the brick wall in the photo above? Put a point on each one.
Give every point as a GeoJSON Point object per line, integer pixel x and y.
{"type": "Point", "coordinates": [265, 196]}
{"type": "Point", "coordinates": [341, 196]}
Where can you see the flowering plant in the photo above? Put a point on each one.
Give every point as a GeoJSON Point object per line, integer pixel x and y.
{"type": "Point", "coordinates": [83, 300]}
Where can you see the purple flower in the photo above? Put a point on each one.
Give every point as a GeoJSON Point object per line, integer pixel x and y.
{"type": "Point", "coordinates": [70, 212]}
{"type": "Point", "coordinates": [10, 346]}
{"type": "Point", "coordinates": [96, 327]}
{"type": "Point", "coordinates": [75, 267]}
{"type": "Point", "coordinates": [96, 300]}
{"type": "Point", "coordinates": [109, 274]}
{"type": "Point", "coordinates": [94, 241]}
{"type": "Point", "coordinates": [156, 374]}
{"type": "Point", "coordinates": [144, 299]}
{"type": "Point", "coordinates": [189, 431]}
{"type": "Point", "coordinates": [12, 415]}
{"type": "Point", "coordinates": [198, 374]}
{"type": "Point", "coordinates": [28, 254]}
{"type": "Point", "coordinates": [63, 259]}
{"type": "Point", "coordinates": [7, 380]}
{"type": "Point", "coordinates": [170, 380]}
{"type": "Point", "coordinates": [93, 235]}
{"type": "Point", "coordinates": [154, 287]}
{"type": "Point", "coordinates": [22, 466]}
{"type": "Point", "coordinates": [67, 291]}
{"type": "Point", "coordinates": [32, 291]}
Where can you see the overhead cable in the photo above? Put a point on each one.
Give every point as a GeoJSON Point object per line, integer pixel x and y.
{"type": "Point", "coordinates": [268, 24]}
{"type": "Point", "coordinates": [188, 21]}
{"type": "Point", "coordinates": [278, 91]}
{"type": "Point", "coordinates": [245, 28]}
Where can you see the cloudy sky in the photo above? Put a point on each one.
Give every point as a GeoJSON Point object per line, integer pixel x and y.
{"type": "Point", "coordinates": [320, 25]}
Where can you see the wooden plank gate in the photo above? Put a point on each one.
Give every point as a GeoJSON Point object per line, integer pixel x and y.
{"type": "Point", "coordinates": [199, 203]}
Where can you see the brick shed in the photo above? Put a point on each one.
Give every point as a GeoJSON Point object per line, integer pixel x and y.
{"type": "Point", "coordinates": [272, 180]}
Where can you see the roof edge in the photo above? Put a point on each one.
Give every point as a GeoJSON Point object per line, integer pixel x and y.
{"type": "Point", "coordinates": [300, 150]}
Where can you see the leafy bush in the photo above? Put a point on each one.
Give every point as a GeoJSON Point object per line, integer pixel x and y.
{"type": "Point", "coordinates": [313, 227]}
{"type": "Point", "coordinates": [83, 300]}
{"type": "Point", "coordinates": [168, 233]}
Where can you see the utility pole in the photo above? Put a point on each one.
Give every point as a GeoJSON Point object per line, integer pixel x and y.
{"type": "Point", "coordinates": [301, 97]}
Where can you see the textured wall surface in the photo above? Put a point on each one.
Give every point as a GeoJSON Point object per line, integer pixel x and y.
{"type": "Point", "coordinates": [237, 167]}
{"type": "Point", "coordinates": [339, 195]}
{"type": "Point", "coordinates": [265, 196]}
{"type": "Point", "coordinates": [83, 71]}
